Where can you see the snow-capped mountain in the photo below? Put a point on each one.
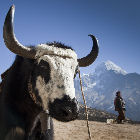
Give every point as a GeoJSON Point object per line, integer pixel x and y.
{"type": "Point", "coordinates": [109, 65]}
{"type": "Point", "coordinates": [101, 85]}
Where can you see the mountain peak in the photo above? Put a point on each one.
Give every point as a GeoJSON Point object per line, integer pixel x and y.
{"type": "Point", "coordinates": [109, 65]}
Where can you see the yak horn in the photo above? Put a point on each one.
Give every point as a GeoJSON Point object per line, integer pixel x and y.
{"type": "Point", "coordinates": [10, 40]}
{"type": "Point", "coordinates": [91, 57]}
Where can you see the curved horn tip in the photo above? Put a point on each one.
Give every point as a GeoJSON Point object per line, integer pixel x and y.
{"type": "Point", "coordinates": [10, 14]}
{"type": "Point", "coordinates": [10, 39]}
{"type": "Point", "coordinates": [91, 57]}
{"type": "Point", "coordinates": [12, 8]}
{"type": "Point", "coordinates": [92, 36]}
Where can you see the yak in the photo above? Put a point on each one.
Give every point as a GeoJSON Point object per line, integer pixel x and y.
{"type": "Point", "coordinates": [38, 86]}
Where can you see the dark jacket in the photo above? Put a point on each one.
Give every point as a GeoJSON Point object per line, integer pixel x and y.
{"type": "Point", "coordinates": [119, 103]}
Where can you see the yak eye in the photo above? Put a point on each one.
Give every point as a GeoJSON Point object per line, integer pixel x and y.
{"type": "Point", "coordinates": [43, 70]}
{"type": "Point", "coordinates": [43, 64]}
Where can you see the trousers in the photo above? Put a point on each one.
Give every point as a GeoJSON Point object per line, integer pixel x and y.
{"type": "Point", "coordinates": [121, 115]}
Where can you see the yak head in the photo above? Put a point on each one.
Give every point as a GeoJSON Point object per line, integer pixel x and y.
{"type": "Point", "coordinates": [53, 75]}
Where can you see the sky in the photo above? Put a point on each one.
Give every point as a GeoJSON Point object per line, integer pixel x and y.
{"type": "Point", "coordinates": [115, 23]}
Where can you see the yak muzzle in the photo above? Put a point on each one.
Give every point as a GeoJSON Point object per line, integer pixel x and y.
{"type": "Point", "coordinates": [64, 109]}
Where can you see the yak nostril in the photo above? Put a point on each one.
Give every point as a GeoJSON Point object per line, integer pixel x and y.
{"type": "Point", "coordinates": [66, 111]}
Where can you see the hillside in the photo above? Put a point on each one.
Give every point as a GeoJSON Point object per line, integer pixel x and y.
{"type": "Point", "coordinates": [94, 114]}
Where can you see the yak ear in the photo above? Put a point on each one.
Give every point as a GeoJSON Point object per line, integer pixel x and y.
{"type": "Point", "coordinates": [15, 133]}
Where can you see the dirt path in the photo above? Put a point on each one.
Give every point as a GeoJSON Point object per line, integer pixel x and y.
{"type": "Point", "coordinates": [77, 130]}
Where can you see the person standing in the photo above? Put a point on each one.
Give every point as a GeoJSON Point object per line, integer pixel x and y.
{"type": "Point", "coordinates": [120, 107]}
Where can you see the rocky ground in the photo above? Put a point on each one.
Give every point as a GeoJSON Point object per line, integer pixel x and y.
{"type": "Point", "coordinates": [94, 114]}
{"type": "Point", "coordinates": [77, 130]}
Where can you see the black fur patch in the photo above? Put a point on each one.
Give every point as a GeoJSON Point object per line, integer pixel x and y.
{"type": "Point", "coordinates": [59, 45]}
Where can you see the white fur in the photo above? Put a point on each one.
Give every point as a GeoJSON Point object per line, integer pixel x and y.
{"type": "Point", "coordinates": [44, 49]}
{"type": "Point", "coordinates": [62, 72]}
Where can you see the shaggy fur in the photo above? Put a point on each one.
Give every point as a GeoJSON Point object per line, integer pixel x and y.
{"type": "Point", "coordinates": [59, 45]}
{"type": "Point", "coordinates": [17, 107]}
